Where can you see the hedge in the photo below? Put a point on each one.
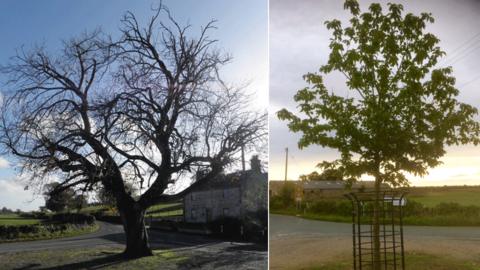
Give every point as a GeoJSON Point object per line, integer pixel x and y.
{"type": "Point", "coordinates": [74, 218]}
{"type": "Point", "coordinates": [22, 231]}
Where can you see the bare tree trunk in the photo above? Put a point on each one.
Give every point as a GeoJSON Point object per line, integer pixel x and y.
{"type": "Point", "coordinates": [137, 245]}
{"type": "Point", "coordinates": [376, 226]}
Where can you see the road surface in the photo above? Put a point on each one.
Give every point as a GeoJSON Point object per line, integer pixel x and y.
{"type": "Point", "coordinates": [284, 226]}
{"type": "Point", "coordinates": [297, 242]}
{"type": "Point", "coordinates": [203, 251]}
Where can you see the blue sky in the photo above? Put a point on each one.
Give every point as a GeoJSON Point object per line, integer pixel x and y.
{"type": "Point", "coordinates": [242, 32]}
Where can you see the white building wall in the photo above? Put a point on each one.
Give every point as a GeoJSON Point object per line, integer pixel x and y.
{"type": "Point", "coordinates": [206, 206]}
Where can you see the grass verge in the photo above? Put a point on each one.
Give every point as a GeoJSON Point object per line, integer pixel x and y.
{"type": "Point", "coordinates": [93, 258]}
{"type": "Point", "coordinates": [412, 261]}
{"type": "Point", "coordinates": [448, 220]}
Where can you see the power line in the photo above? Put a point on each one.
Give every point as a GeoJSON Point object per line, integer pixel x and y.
{"type": "Point", "coordinates": [469, 82]}
{"type": "Point", "coordinates": [460, 48]}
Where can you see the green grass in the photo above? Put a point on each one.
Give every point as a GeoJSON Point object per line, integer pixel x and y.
{"type": "Point", "coordinates": [94, 258]}
{"type": "Point", "coordinates": [94, 208]}
{"type": "Point", "coordinates": [412, 261]}
{"type": "Point", "coordinates": [15, 220]}
{"type": "Point", "coordinates": [163, 206]}
{"type": "Point", "coordinates": [432, 196]}
{"type": "Point", "coordinates": [165, 210]}
{"type": "Point", "coordinates": [167, 213]}
{"type": "Point", "coordinates": [314, 216]}
{"type": "Point", "coordinates": [409, 220]}
{"type": "Point", "coordinates": [159, 210]}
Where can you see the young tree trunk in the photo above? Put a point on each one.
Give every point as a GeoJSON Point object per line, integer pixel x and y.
{"type": "Point", "coordinates": [376, 226]}
{"type": "Point", "coordinates": [133, 219]}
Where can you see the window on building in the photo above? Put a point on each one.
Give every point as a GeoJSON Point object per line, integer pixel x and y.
{"type": "Point", "coordinates": [193, 214]}
{"type": "Point", "coordinates": [226, 211]}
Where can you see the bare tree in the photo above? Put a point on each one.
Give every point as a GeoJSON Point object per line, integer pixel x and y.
{"type": "Point", "coordinates": [148, 109]}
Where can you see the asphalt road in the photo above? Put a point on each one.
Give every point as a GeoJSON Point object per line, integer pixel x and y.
{"type": "Point", "coordinates": [284, 226]}
{"type": "Point", "coordinates": [202, 252]}
{"type": "Point", "coordinates": [297, 243]}
{"type": "Point", "coordinates": [113, 235]}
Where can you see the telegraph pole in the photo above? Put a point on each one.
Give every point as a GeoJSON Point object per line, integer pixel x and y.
{"type": "Point", "coordinates": [243, 159]}
{"type": "Point", "coordinates": [286, 163]}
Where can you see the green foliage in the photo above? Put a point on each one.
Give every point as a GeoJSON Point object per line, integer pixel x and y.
{"type": "Point", "coordinates": [43, 231]}
{"type": "Point", "coordinates": [63, 200]}
{"type": "Point", "coordinates": [287, 194]}
{"type": "Point", "coordinates": [326, 175]}
{"type": "Point", "coordinates": [415, 213]}
{"type": "Point", "coordinates": [401, 110]}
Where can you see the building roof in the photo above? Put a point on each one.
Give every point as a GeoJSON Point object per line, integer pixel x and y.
{"type": "Point", "coordinates": [227, 181]}
{"type": "Point", "coordinates": [310, 185]}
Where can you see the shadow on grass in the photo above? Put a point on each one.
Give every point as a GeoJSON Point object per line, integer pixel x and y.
{"type": "Point", "coordinates": [29, 266]}
{"type": "Point", "coordinates": [228, 258]}
{"type": "Point", "coordinates": [112, 258]}
{"type": "Point", "coordinates": [248, 247]}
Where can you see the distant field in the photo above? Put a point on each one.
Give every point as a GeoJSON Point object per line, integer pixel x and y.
{"type": "Point", "coordinates": [158, 210]}
{"type": "Point", "coordinates": [433, 196]}
{"type": "Point", "coordinates": [12, 219]}
{"type": "Point", "coordinates": [165, 210]}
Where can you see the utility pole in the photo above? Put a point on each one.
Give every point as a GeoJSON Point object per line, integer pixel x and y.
{"type": "Point", "coordinates": [243, 159]}
{"type": "Point", "coordinates": [286, 163]}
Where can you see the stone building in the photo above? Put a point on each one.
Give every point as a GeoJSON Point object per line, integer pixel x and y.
{"type": "Point", "coordinates": [311, 190]}
{"type": "Point", "coordinates": [232, 195]}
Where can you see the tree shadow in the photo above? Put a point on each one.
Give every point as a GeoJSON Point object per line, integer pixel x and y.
{"type": "Point", "coordinates": [224, 260]}
{"type": "Point", "coordinates": [98, 263]}
{"type": "Point", "coordinates": [248, 247]}
{"type": "Point", "coordinates": [27, 267]}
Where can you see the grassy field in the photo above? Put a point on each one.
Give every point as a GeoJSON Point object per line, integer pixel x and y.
{"type": "Point", "coordinates": [412, 261]}
{"type": "Point", "coordinates": [13, 219]}
{"type": "Point", "coordinates": [96, 258]}
{"type": "Point", "coordinates": [159, 210]}
{"type": "Point", "coordinates": [433, 196]}
{"type": "Point", "coordinates": [164, 206]}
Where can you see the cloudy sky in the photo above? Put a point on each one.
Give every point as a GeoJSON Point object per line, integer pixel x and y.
{"type": "Point", "coordinates": [299, 44]}
{"type": "Point", "coordinates": [241, 31]}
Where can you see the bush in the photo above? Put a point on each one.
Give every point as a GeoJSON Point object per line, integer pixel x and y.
{"type": "Point", "coordinates": [287, 194]}
{"type": "Point", "coordinates": [74, 218]}
{"type": "Point", "coordinates": [34, 215]}
{"type": "Point", "coordinates": [27, 231]}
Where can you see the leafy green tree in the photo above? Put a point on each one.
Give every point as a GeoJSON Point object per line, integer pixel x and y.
{"type": "Point", "coordinates": [325, 175]}
{"type": "Point", "coordinates": [78, 202]}
{"type": "Point", "coordinates": [403, 110]}
{"type": "Point", "coordinates": [58, 201]}
{"type": "Point", "coordinates": [287, 194]}
{"type": "Point", "coordinates": [106, 197]}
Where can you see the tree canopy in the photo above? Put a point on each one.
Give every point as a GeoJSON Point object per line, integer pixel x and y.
{"type": "Point", "coordinates": [402, 108]}
{"type": "Point", "coordinates": [148, 108]}
{"type": "Point", "coordinates": [325, 175]}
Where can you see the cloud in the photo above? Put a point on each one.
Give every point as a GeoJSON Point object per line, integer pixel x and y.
{"type": "Point", "coordinates": [4, 164]}
{"type": "Point", "coordinates": [14, 196]}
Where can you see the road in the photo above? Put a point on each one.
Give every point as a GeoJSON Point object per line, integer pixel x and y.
{"type": "Point", "coordinates": [203, 251]}
{"type": "Point", "coordinates": [284, 226]}
{"type": "Point", "coordinates": [301, 243]}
